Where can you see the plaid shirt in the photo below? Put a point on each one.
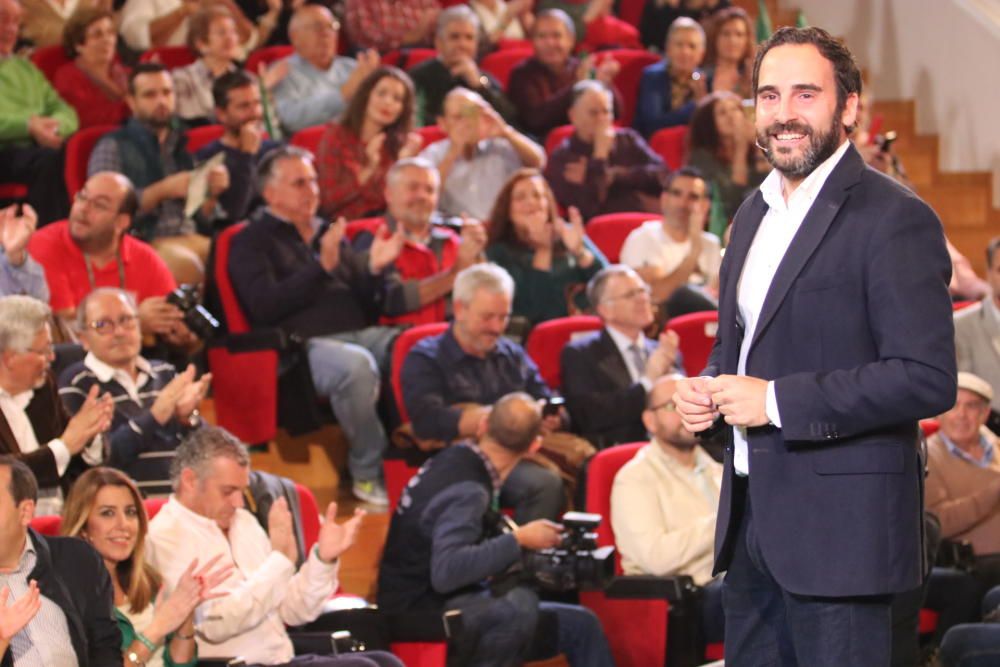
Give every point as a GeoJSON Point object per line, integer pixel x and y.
{"type": "Point", "coordinates": [381, 24]}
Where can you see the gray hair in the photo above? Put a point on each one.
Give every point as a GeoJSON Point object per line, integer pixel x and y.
{"type": "Point", "coordinates": [21, 318]}
{"type": "Point", "coordinates": [416, 162]}
{"type": "Point", "coordinates": [201, 447]}
{"type": "Point", "coordinates": [558, 14]}
{"type": "Point", "coordinates": [81, 310]}
{"type": "Point", "coordinates": [599, 283]}
{"type": "Point", "coordinates": [488, 276]}
{"type": "Point", "coordinates": [681, 24]}
{"type": "Point", "coordinates": [454, 14]}
{"type": "Point", "coordinates": [580, 88]}
{"type": "Point", "coordinates": [269, 163]}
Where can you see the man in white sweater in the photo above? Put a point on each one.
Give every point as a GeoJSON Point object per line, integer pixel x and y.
{"type": "Point", "coordinates": [664, 503]}
{"type": "Point", "coordinates": [205, 518]}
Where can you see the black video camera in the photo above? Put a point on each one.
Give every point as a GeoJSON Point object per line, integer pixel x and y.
{"type": "Point", "coordinates": [196, 317]}
{"type": "Point", "coordinates": [576, 564]}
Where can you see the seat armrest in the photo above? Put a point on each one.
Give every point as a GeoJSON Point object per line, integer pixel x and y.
{"type": "Point", "coordinates": [647, 587]}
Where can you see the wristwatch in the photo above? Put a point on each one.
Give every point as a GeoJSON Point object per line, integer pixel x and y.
{"type": "Point", "coordinates": [134, 658]}
{"type": "Point", "coordinates": [194, 419]}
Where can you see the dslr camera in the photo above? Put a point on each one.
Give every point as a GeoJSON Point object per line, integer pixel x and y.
{"type": "Point", "coordinates": [196, 317]}
{"type": "Point", "coordinates": [577, 563]}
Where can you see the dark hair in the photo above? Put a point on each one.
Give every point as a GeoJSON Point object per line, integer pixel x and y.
{"type": "Point", "coordinates": [268, 163]}
{"type": "Point", "coordinates": [514, 422]}
{"type": "Point", "coordinates": [200, 24]}
{"type": "Point", "coordinates": [501, 228]}
{"type": "Point", "coordinates": [720, 19]}
{"type": "Point", "coordinates": [687, 171]}
{"type": "Point", "coordinates": [704, 133]}
{"type": "Point", "coordinates": [143, 68]}
{"type": "Point", "coordinates": [845, 68]}
{"type": "Point", "coordinates": [354, 115]}
{"type": "Point", "coordinates": [75, 29]}
{"type": "Point", "coordinates": [991, 250]}
{"type": "Point", "coordinates": [23, 485]}
{"type": "Point", "coordinates": [237, 78]}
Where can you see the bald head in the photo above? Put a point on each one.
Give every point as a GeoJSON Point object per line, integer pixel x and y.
{"type": "Point", "coordinates": [102, 211]}
{"type": "Point", "coordinates": [10, 23]}
{"type": "Point", "coordinates": [515, 422]}
{"type": "Point", "coordinates": [661, 418]}
{"type": "Point", "coordinates": [313, 32]}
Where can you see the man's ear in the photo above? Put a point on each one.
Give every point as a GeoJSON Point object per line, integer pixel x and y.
{"type": "Point", "coordinates": [189, 479]}
{"type": "Point", "coordinates": [850, 114]}
{"type": "Point", "coordinates": [649, 421]}
{"type": "Point", "coordinates": [481, 427]}
{"type": "Point", "coordinates": [26, 512]}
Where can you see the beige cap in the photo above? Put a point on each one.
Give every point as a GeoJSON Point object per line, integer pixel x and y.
{"type": "Point", "coordinates": [976, 385]}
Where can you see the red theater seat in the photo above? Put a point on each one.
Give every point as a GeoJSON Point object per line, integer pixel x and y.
{"type": "Point", "coordinates": [547, 340]}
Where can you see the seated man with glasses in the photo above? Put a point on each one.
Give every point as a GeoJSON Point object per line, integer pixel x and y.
{"type": "Point", "coordinates": [94, 249]}
{"type": "Point", "coordinates": [34, 425]}
{"type": "Point", "coordinates": [154, 406]}
{"type": "Point", "coordinates": [664, 503]}
{"type": "Point", "coordinates": [607, 375]}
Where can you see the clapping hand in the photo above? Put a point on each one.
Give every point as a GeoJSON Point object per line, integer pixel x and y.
{"type": "Point", "coordinates": [17, 231]}
{"type": "Point", "coordinates": [571, 232]}
{"type": "Point", "coordinates": [193, 587]}
{"type": "Point", "coordinates": [336, 538]}
{"type": "Point", "coordinates": [15, 616]}
{"type": "Point", "coordinates": [94, 417]}
{"type": "Point", "coordinates": [279, 530]}
{"type": "Point", "coordinates": [385, 249]}
{"type": "Point", "coordinates": [329, 244]}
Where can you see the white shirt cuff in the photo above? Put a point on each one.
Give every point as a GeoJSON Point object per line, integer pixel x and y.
{"type": "Point", "coordinates": [646, 383]}
{"type": "Point", "coordinates": [93, 453]}
{"type": "Point", "coordinates": [771, 406]}
{"type": "Point", "coordinates": [60, 452]}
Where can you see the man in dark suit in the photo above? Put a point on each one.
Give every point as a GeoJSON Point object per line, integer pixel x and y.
{"type": "Point", "coordinates": [55, 591]}
{"type": "Point", "coordinates": [607, 374]}
{"type": "Point", "coordinates": [835, 337]}
{"type": "Point", "coordinates": [34, 425]}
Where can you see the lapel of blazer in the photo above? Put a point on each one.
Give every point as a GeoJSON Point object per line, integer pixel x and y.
{"type": "Point", "coordinates": [814, 227]}
{"type": "Point", "coordinates": [611, 361]}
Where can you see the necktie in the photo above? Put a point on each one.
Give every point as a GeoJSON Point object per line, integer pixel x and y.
{"type": "Point", "coordinates": [638, 358]}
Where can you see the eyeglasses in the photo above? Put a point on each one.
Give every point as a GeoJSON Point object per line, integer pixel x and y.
{"type": "Point", "coordinates": [107, 326]}
{"type": "Point", "coordinates": [669, 406]}
{"type": "Point", "coordinates": [48, 352]}
{"type": "Point", "coordinates": [98, 203]}
{"type": "Point", "coordinates": [321, 26]}
{"type": "Point", "coordinates": [634, 293]}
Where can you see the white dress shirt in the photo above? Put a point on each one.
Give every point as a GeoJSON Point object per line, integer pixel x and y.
{"type": "Point", "coordinates": [264, 592]}
{"type": "Point", "coordinates": [775, 234]}
{"type": "Point", "coordinates": [50, 500]}
{"type": "Point", "coordinates": [624, 345]}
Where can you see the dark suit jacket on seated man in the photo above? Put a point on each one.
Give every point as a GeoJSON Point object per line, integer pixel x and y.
{"type": "Point", "coordinates": [439, 555]}
{"type": "Point", "coordinates": [451, 381]}
{"type": "Point", "coordinates": [834, 339]}
{"type": "Point", "coordinates": [34, 425]}
{"type": "Point", "coordinates": [291, 272]}
{"type": "Point", "coordinates": [56, 592]}
{"type": "Point", "coordinates": [607, 375]}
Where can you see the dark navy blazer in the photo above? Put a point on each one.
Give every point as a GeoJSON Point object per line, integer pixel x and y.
{"type": "Point", "coordinates": [856, 332]}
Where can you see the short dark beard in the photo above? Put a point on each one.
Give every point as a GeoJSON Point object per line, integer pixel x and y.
{"type": "Point", "coordinates": [821, 146]}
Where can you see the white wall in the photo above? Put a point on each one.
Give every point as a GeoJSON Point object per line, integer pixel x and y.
{"type": "Point", "coordinates": [945, 54]}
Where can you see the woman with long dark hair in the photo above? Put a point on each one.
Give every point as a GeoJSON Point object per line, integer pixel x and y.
{"type": "Point", "coordinates": [356, 151]}
{"type": "Point", "coordinates": [729, 52]}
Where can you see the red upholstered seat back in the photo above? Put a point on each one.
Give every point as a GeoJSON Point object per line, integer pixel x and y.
{"type": "Point", "coordinates": [547, 340]}
{"type": "Point", "coordinates": [609, 231]}
{"type": "Point", "coordinates": [697, 336]}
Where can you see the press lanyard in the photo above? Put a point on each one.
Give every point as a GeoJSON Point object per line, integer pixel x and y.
{"type": "Point", "coordinates": [118, 263]}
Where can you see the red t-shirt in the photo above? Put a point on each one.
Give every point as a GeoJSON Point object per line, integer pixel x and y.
{"type": "Point", "coordinates": [145, 273]}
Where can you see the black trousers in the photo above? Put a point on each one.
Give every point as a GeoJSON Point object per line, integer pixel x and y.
{"type": "Point", "coordinates": [41, 169]}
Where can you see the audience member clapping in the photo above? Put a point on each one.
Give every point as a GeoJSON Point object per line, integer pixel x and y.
{"type": "Point", "coordinates": [481, 152]}
{"type": "Point", "coordinates": [319, 83]}
{"type": "Point", "coordinates": [721, 141]}
{"type": "Point", "coordinates": [34, 425]}
{"type": "Point", "coordinates": [19, 272]}
{"type": "Point", "coordinates": [675, 255]}
{"type": "Point", "coordinates": [105, 509]}
{"type": "Point", "coordinates": [550, 259]}
{"type": "Point", "coordinates": [212, 35]}
{"type": "Point", "coordinates": [265, 591]}
{"type": "Point", "coordinates": [357, 151]}
{"type": "Point", "coordinates": [94, 83]}
{"type": "Point", "coordinates": [457, 42]}
{"type": "Point", "coordinates": [669, 90]}
{"type": "Point", "coordinates": [154, 406]}
{"type": "Point", "coordinates": [601, 168]}
{"type": "Point", "coordinates": [504, 19]}
{"type": "Point", "coordinates": [541, 87]}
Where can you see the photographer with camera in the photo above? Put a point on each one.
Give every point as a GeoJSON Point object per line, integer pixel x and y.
{"type": "Point", "coordinates": [437, 556]}
{"type": "Point", "coordinates": [154, 406]}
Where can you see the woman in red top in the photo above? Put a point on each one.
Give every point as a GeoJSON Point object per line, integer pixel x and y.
{"type": "Point", "coordinates": [94, 83]}
{"type": "Point", "coordinates": [355, 153]}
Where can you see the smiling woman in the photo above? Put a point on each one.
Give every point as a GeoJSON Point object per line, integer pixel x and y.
{"type": "Point", "coordinates": [105, 509]}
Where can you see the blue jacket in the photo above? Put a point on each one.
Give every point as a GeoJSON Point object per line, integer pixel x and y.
{"type": "Point", "coordinates": [653, 111]}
